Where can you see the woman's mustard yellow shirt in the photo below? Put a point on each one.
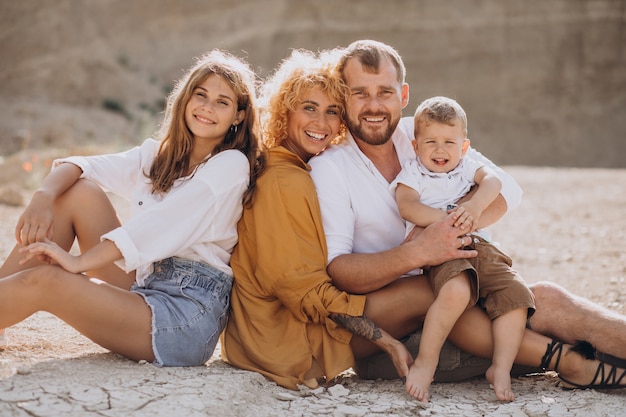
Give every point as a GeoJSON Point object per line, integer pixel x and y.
{"type": "Point", "coordinates": [282, 295]}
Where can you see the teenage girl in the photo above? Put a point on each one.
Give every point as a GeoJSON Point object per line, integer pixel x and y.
{"type": "Point", "coordinates": [157, 287]}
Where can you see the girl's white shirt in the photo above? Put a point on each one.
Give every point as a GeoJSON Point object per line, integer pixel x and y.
{"type": "Point", "coordinates": [197, 219]}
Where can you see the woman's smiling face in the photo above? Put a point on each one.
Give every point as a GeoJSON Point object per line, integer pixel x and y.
{"type": "Point", "coordinates": [315, 121]}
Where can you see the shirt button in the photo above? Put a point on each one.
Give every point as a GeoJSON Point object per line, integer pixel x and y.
{"type": "Point", "coordinates": [140, 203]}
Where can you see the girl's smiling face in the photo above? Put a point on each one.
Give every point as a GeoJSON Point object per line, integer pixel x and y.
{"type": "Point", "coordinates": [212, 110]}
{"type": "Point", "coordinates": [313, 124]}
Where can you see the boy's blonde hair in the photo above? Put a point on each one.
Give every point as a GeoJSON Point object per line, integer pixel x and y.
{"type": "Point", "coordinates": [440, 110]}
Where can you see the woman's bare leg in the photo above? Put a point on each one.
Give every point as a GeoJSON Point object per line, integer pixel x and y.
{"type": "Point", "coordinates": [472, 333]}
{"type": "Point", "coordinates": [114, 318]}
{"type": "Point", "coordinates": [568, 317]}
{"type": "Point", "coordinates": [399, 309]}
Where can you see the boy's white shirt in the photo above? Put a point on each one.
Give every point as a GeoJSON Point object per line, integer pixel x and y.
{"type": "Point", "coordinates": [358, 205]}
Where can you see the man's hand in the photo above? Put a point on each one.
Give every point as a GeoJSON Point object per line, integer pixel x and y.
{"type": "Point", "coordinates": [442, 241]}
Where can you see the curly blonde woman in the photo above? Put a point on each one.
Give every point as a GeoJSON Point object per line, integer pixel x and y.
{"type": "Point", "coordinates": [288, 321]}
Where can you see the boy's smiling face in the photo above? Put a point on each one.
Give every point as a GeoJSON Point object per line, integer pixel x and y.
{"type": "Point", "coordinates": [439, 146]}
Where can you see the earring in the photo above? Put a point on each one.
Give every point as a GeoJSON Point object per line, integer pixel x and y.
{"type": "Point", "coordinates": [233, 129]}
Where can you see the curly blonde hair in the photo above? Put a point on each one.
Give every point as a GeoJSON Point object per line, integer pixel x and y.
{"type": "Point", "coordinates": [283, 90]}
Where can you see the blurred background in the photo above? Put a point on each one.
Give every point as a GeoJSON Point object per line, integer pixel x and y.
{"type": "Point", "coordinates": [543, 82]}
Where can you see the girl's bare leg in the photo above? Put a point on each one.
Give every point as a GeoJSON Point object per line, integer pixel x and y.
{"type": "Point", "coordinates": [85, 213]}
{"type": "Point", "coordinates": [508, 330]}
{"type": "Point", "coordinates": [452, 300]}
{"type": "Point", "coordinates": [114, 318]}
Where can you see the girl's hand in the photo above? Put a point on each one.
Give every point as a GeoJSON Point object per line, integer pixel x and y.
{"type": "Point", "coordinates": [35, 223]}
{"type": "Point", "coordinates": [49, 252]}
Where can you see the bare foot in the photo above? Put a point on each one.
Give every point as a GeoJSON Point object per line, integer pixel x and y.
{"type": "Point", "coordinates": [311, 383]}
{"type": "Point", "coordinates": [500, 378]}
{"type": "Point", "coordinates": [419, 379]}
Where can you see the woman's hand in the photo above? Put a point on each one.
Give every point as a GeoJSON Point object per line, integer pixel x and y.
{"type": "Point", "coordinates": [401, 358]}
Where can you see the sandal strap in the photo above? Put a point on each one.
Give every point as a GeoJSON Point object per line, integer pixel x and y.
{"type": "Point", "coordinates": [608, 379]}
{"type": "Point", "coordinates": [602, 379]}
{"type": "Point", "coordinates": [611, 360]}
{"type": "Point", "coordinates": [554, 348]}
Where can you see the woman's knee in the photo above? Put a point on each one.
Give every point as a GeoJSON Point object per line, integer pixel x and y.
{"type": "Point", "coordinates": [400, 305]}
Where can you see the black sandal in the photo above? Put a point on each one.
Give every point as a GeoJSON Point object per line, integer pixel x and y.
{"type": "Point", "coordinates": [608, 380]}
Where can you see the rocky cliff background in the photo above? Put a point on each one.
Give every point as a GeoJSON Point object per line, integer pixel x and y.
{"type": "Point", "coordinates": [543, 82]}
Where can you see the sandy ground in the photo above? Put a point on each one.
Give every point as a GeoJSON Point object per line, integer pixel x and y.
{"type": "Point", "coordinates": [570, 229]}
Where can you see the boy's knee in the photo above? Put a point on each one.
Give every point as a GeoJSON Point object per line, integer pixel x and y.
{"type": "Point", "coordinates": [456, 291]}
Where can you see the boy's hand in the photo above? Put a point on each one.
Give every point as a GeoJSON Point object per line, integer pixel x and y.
{"type": "Point", "coordinates": [465, 220]}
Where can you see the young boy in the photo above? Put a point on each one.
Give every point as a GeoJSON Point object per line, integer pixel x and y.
{"type": "Point", "coordinates": [428, 188]}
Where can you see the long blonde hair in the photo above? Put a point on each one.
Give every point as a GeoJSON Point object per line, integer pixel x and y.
{"type": "Point", "coordinates": [173, 158]}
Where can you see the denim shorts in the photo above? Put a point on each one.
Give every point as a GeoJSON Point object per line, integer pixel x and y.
{"type": "Point", "coordinates": [189, 302]}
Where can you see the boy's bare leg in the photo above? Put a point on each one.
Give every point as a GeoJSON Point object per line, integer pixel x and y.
{"type": "Point", "coordinates": [452, 300]}
{"type": "Point", "coordinates": [508, 330]}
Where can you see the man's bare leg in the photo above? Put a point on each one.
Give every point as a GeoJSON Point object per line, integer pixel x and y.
{"type": "Point", "coordinates": [568, 317]}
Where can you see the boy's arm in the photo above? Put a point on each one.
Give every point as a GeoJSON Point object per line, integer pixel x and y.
{"type": "Point", "coordinates": [414, 211]}
{"type": "Point", "coordinates": [489, 186]}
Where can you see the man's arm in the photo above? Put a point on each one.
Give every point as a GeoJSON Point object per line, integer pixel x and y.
{"type": "Point", "coordinates": [433, 245]}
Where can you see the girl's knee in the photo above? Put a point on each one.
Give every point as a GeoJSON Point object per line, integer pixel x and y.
{"type": "Point", "coordinates": [40, 278]}
{"type": "Point", "coordinates": [82, 190]}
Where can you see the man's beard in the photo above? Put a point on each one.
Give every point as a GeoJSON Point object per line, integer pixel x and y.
{"type": "Point", "coordinates": [369, 136]}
